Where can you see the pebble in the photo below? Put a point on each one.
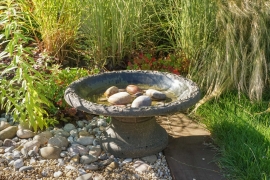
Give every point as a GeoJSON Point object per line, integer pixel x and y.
{"type": "Point", "coordinates": [50, 152]}
{"type": "Point", "coordinates": [87, 159]}
{"type": "Point", "coordinates": [4, 125]}
{"type": "Point", "coordinates": [141, 101]}
{"type": "Point", "coordinates": [8, 133]}
{"type": "Point", "coordinates": [78, 149]}
{"type": "Point", "coordinates": [25, 168]}
{"type": "Point", "coordinates": [31, 144]}
{"type": "Point", "coordinates": [120, 98]}
{"type": "Point", "coordinates": [59, 141]}
{"type": "Point", "coordinates": [95, 151]}
{"type": "Point", "coordinates": [8, 143]}
{"type": "Point", "coordinates": [43, 137]}
{"type": "Point", "coordinates": [18, 163]}
{"type": "Point", "coordinates": [68, 127]}
{"type": "Point", "coordinates": [92, 167]}
{"type": "Point", "coordinates": [87, 176]}
{"type": "Point", "coordinates": [25, 133]}
{"type": "Point", "coordinates": [85, 140]}
{"type": "Point", "coordinates": [141, 166]}
{"type": "Point", "coordinates": [127, 160]}
{"type": "Point", "coordinates": [132, 89]}
{"type": "Point", "coordinates": [155, 94]}
{"type": "Point", "coordinates": [150, 159]}
{"type": "Point", "coordinates": [57, 174]}
{"type": "Point", "coordinates": [110, 91]}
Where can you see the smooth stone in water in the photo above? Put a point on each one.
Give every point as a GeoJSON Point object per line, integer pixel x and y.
{"type": "Point", "coordinates": [25, 133]}
{"type": "Point", "coordinates": [59, 141]}
{"type": "Point", "coordinates": [141, 101]}
{"type": "Point", "coordinates": [43, 137]}
{"type": "Point", "coordinates": [85, 140]}
{"type": "Point", "coordinates": [87, 159]}
{"type": "Point", "coordinates": [50, 152]}
{"type": "Point", "coordinates": [155, 94]}
{"type": "Point", "coordinates": [150, 159]}
{"type": "Point", "coordinates": [8, 133]}
{"type": "Point", "coordinates": [68, 127]}
{"type": "Point", "coordinates": [120, 98]}
{"type": "Point", "coordinates": [3, 125]}
{"type": "Point", "coordinates": [110, 91]}
{"type": "Point", "coordinates": [132, 89]}
{"type": "Point", "coordinates": [87, 176]}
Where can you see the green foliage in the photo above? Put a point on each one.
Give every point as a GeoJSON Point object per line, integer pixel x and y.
{"type": "Point", "coordinates": [22, 89]}
{"type": "Point", "coordinates": [242, 135]}
{"type": "Point", "coordinates": [57, 23]}
{"type": "Point", "coordinates": [115, 28]}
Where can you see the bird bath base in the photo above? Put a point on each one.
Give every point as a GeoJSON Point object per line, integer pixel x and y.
{"type": "Point", "coordinates": [134, 137]}
{"type": "Point", "coordinates": [133, 132]}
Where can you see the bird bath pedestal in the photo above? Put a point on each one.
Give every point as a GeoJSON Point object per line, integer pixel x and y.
{"type": "Point", "coordinates": [133, 132]}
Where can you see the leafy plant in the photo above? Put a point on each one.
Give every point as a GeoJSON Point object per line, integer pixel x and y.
{"type": "Point", "coordinates": [22, 89]}
{"type": "Point", "coordinates": [169, 64]}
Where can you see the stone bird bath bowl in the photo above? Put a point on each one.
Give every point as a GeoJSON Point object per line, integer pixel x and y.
{"type": "Point", "coordinates": [133, 132]}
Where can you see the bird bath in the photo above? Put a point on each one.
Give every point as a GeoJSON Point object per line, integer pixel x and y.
{"type": "Point", "coordinates": [133, 132]}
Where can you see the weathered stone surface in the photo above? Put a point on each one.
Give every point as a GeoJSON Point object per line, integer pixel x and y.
{"type": "Point", "coordinates": [120, 98]}
{"type": "Point", "coordinates": [133, 89]}
{"type": "Point", "coordinates": [50, 152]}
{"type": "Point", "coordinates": [8, 133]}
{"type": "Point", "coordinates": [110, 91]}
{"type": "Point", "coordinates": [155, 94]}
{"type": "Point", "coordinates": [58, 141]}
{"type": "Point", "coordinates": [4, 125]}
{"type": "Point", "coordinates": [141, 101]}
{"type": "Point", "coordinates": [43, 137]}
{"type": "Point", "coordinates": [25, 133]}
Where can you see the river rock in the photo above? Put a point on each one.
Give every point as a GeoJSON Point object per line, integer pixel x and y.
{"type": "Point", "coordinates": [91, 167]}
{"type": "Point", "coordinates": [87, 159]}
{"type": "Point", "coordinates": [43, 137]}
{"type": "Point", "coordinates": [95, 150]}
{"type": "Point", "coordinates": [155, 94]}
{"type": "Point", "coordinates": [9, 142]}
{"type": "Point", "coordinates": [110, 91]}
{"type": "Point", "coordinates": [25, 133]}
{"type": "Point", "coordinates": [58, 141]}
{"type": "Point", "coordinates": [141, 101]}
{"type": "Point", "coordinates": [87, 176]}
{"type": "Point", "coordinates": [68, 127]}
{"type": "Point", "coordinates": [31, 144]}
{"type": "Point", "coordinates": [120, 98]}
{"type": "Point", "coordinates": [141, 166]}
{"type": "Point", "coordinates": [8, 133]}
{"type": "Point", "coordinates": [50, 152]}
{"type": "Point", "coordinates": [133, 89]}
{"type": "Point", "coordinates": [4, 125]}
{"type": "Point", "coordinates": [85, 140]}
{"type": "Point", "coordinates": [78, 149]}
{"type": "Point", "coordinates": [25, 168]}
{"type": "Point", "coordinates": [150, 159]}
{"type": "Point", "coordinates": [113, 165]}
{"type": "Point", "coordinates": [18, 163]}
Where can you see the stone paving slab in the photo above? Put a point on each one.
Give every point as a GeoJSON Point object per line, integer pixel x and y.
{"type": "Point", "coordinates": [190, 154]}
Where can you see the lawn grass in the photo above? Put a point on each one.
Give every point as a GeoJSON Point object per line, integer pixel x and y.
{"type": "Point", "coordinates": [242, 135]}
